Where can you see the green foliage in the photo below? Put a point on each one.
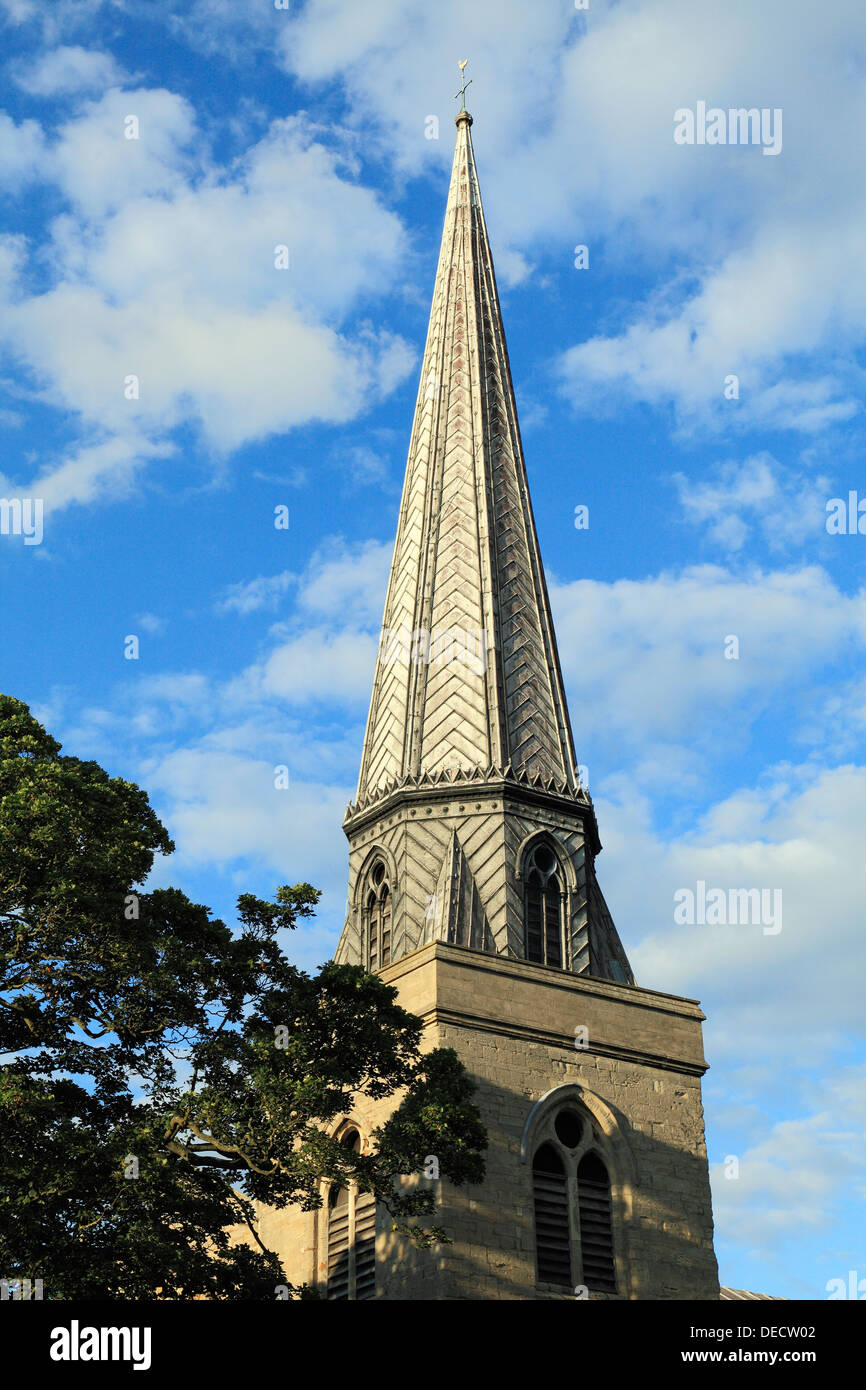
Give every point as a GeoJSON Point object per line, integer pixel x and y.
{"type": "Point", "coordinates": [163, 1072]}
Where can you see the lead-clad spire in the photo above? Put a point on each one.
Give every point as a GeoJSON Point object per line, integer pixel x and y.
{"type": "Point", "coordinates": [467, 675]}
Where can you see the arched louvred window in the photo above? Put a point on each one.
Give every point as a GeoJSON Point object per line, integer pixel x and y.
{"type": "Point", "coordinates": [338, 1243]}
{"type": "Point", "coordinates": [552, 1238]}
{"type": "Point", "coordinates": [378, 907]}
{"type": "Point", "coordinates": [596, 1227]}
{"type": "Point", "coordinates": [572, 1193]}
{"type": "Point", "coordinates": [543, 906]}
{"type": "Point", "coordinates": [351, 1239]}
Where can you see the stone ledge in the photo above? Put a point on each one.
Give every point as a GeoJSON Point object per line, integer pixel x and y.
{"type": "Point", "coordinates": [620, 1054]}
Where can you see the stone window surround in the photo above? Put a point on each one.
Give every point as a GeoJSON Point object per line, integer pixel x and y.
{"type": "Point", "coordinates": [344, 1126]}
{"type": "Point", "coordinates": [602, 1135]}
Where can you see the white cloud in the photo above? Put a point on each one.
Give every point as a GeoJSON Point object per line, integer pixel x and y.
{"type": "Point", "coordinates": [60, 18]}
{"type": "Point", "coordinates": [362, 466]}
{"type": "Point", "coordinates": [238, 28]}
{"type": "Point", "coordinates": [223, 808]}
{"type": "Point", "coordinates": [798, 831]}
{"type": "Point", "coordinates": [97, 472]}
{"type": "Point", "coordinates": [751, 314]}
{"type": "Point", "coordinates": [646, 662]}
{"type": "Point", "coordinates": [577, 112]}
{"type": "Point", "coordinates": [151, 623]}
{"type": "Point", "coordinates": [348, 582]}
{"type": "Point", "coordinates": [101, 163]}
{"type": "Point", "coordinates": [143, 330]}
{"type": "Point", "coordinates": [775, 271]}
{"type": "Point", "coordinates": [22, 152]}
{"type": "Point", "coordinates": [263, 592]}
{"type": "Point", "coordinates": [182, 688]}
{"type": "Point", "coordinates": [515, 52]}
{"type": "Point", "coordinates": [70, 69]}
{"type": "Point", "coordinates": [318, 661]}
{"type": "Point", "coordinates": [18, 11]}
{"type": "Point", "coordinates": [316, 666]}
{"type": "Point", "coordinates": [756, 497]}
{"type": "Point", "coordinates": [775, 259]}
{"type": "Point", "coordinates": [799, 1175]}
{"type": "Point", "coordinates": [512, 268]}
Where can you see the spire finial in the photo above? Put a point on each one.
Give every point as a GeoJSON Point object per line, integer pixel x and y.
{"type": "Point", "coordinates": [461, 63]}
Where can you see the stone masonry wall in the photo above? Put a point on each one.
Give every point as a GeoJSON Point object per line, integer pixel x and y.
{"type": "Point", "coordinates": [638, 1079]}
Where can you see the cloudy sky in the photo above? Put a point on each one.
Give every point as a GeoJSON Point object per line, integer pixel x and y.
{"type": "Point", "coordinates": [166, 387]}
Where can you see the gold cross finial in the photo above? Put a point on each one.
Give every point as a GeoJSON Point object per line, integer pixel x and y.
{"type": "Point", "coordinates": [462, 93]}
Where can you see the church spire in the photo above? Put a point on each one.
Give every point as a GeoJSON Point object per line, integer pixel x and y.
{"type": "Point", "coordinates": [470, 828]}
{"type": "Point", "coordinates": [467, 675]}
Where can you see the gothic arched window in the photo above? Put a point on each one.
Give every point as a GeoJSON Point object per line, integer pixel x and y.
{"type": "Point", "coordinates": [378, 911]}
{"type": "Point", "coordinates": [351, 1238]}
{"type": "Point", "coordinates": [543, 896]}
{"type": "Point", "coordinates": [572, 1201]}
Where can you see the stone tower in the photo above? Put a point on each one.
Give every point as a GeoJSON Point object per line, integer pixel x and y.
{"type": "Point", "coordinates": [472, 886]}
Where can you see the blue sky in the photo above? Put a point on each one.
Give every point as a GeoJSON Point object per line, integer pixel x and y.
{"type": "Point", "coordinates": [260, 388]}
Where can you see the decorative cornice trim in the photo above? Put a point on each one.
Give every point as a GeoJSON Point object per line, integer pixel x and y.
{"type": "Point", "coordinates": [477, 1023]}
{"type": "Point", "coordinates": [559, 787]}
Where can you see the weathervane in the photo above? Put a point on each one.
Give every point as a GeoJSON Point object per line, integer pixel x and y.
{"type": "Point", "coordinates": [462, 93]}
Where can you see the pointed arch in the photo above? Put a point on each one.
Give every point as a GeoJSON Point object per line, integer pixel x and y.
{"type": "Point", "coordinates": [376, 851]}
{"type": "Point", "coordinates": [611, 1126]}
{"type": "Point", "coordinates": [569, 874]}
{"type": "Point", "coordinates": [572, 1131]}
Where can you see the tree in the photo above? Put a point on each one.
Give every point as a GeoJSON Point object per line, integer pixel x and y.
{"type": "Point", "coordinates": [162, 1071]}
